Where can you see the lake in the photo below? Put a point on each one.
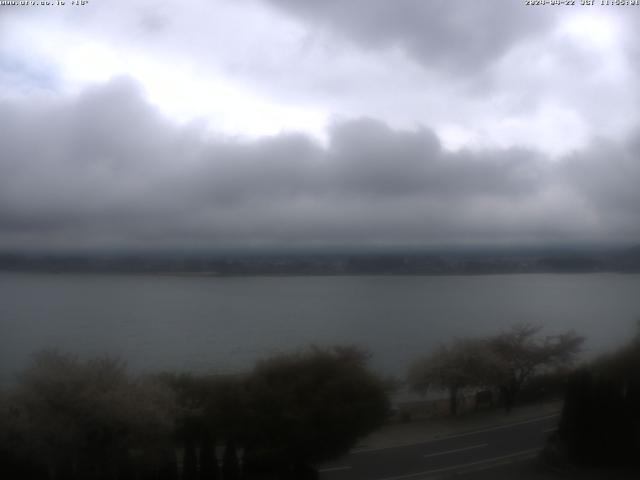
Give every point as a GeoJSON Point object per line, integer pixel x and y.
{"type": "Point", "coordinates": [211, 324]}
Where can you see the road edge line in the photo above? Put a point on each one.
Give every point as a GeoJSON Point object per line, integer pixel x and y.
{"type": "Point", "coordinates": [464, 467]}
{"type": "Point", "coordinates": [455, 435]}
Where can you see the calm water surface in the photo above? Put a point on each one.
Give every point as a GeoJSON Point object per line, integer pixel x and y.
{"type": "Point", "coordinates": [224, 324]}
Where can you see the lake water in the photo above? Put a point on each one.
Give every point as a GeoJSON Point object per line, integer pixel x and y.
{"type": "Point", "coordinates": [225, 324]}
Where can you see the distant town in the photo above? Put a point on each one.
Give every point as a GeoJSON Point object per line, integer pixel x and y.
{"type": "Point", "coordinates": [347, 262]}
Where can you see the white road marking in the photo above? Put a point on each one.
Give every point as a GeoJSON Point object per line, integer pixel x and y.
{"type": "Point", "coordinates": [456, 450]}
{"type": "Point", "coordinates": [486, 461]}
{"type": "Point", "coordinates": [335, 469]}
{"type": "Point", "coordinates": [499, 427]}
{"type": "Point", "coordinates": [455, 435]}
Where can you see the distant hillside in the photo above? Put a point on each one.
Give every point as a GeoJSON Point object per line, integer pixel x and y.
{"type": "Point", "coordinates": [628, 260]}
{"type": "Point", "coordinates": [395, 262]}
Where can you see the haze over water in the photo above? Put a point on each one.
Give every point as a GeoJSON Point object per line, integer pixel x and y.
{"type": "Point", "coordinates": [225, 324]}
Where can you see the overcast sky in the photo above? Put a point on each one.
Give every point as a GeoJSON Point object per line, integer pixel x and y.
{"type": "Point", "coordinates": [155, 124]}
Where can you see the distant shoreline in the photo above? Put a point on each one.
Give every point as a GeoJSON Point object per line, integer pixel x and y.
{"type": "Point", "coordinates": [348, 263]}
{"type": "Point", "coordinates": [305, 275]}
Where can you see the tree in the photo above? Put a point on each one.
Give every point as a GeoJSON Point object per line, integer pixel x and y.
{"type": "Point", "coordinates": [208, 461]}
{"type": "Point", "coordinates": [89, 419]}
{"type": "Point", "coordinates": [505, 361]}
{"type": "Point", "coordinates": [309, 407]}
{"type": "Point", "coordinates": [230, 464]}
{"type": "Point", "coordinates": [521, 353]}
{"type": "Point", "coordinates": [16, 459]}
{"type": "Point", "coordinates": [210, 410]}
{"type": "Point", "coordinates": [190, 393]}
{"type": "Point", "coordinates": [462, 364]}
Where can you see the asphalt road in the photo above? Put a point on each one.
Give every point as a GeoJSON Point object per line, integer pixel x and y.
{"type": "Point", "coordinates": [447, 455]}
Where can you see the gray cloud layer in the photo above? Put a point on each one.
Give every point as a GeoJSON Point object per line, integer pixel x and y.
{"type": "Point", "coordinates": [105, 169]}
{"type": "Point", "coordinates": [440, 33]}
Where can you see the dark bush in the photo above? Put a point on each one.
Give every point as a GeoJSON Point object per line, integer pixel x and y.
{"type": "Point", "coordinates": [545, 387]}
{"type": "Point", "coordinates": [600, 421]}
{"type": "Point", "coordinates": [310, 407]}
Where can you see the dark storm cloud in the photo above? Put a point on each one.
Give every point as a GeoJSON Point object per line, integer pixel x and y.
{"type": "Point", "coordinates": [106, 169]}
{"type": "Point", "coordinates": [440, 33]}
{"type": "Point", "coordinates": [607, 176]}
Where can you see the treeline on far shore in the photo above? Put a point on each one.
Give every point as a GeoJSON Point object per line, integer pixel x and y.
{"type": "Point", "coordinates": [72, 419]}
{"type": "Point", "coordinates": [384, 262]}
